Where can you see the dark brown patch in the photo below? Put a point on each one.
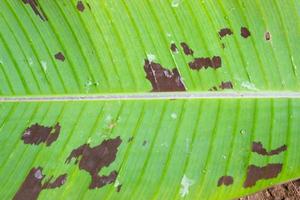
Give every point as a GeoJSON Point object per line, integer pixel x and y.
{"type": "Point", "coordinates": [268, 36]}
{"type": "Point", "coordinates": [37, 134]}
{"type": "Point", "coordinates": [34, 4]}
{"type": "Point", "coordinates": [199, 63]}
{"type": "Point", "coordinates": [186, 49]}
{"type": "Point", "coordinates": [245, 33]}
{"type": "Point", "coordinates": [163, 80]}
{"type": "Point", "coordinates": [80, 6]}
{"type": "Point", "coordinates": [94, 159]}
{"type": "Point", "coordinates": [258, 148]}
{"type": "Point", "coordinates": [226, 85]}
{"type": "Point", "coordinates": [174, 48]}
{"type": "Point", "coordinates": [60, 56]}
{"type": "Point", "coordinates": [32, 185]}
{"type": "Point", "coordinates": [225, 180]}
{"type": "Point", "coordinates": [119, 188]}
{"type": "Point", "coordinates": [225, 31]}
{"type": "Point", "coordinates": [255, 173]}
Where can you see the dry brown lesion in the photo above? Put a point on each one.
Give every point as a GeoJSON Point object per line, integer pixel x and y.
{"type": "Point", "coordinates": [35, 6]}
{"type": "Point", "coordinates": [257, 147]}
{"type": "Point", "coordinates": [32, 185]}
{"type": "Point", "coordinates": [93, 159]}
{"type": "Point", "coordinates": [256, 173]}
{"type": "Point", "coordinates": [163, 80]}
{"type": "Point", "coordinates": [36, 134]}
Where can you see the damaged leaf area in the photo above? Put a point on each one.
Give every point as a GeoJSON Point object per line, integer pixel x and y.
{"type": "Point", "coordinates": [145, 99]}
{"type": "Point", "coordinates": [138, 157]}
{"type": "Point", "coordinates": [80, 6]}
{"type": "Point", "coordinates": [174, 48]}
{"type": "Point", "coordinates": [199, 63]}
{"type": "Point", "coordinates": [93, 159]}
{"type": "Point", "coordinates": [225, 180]}
{"type": "Point", "coordinates": [224, 32]}
{"type": "Point", "coordinates": [255, 173]}
{"type": "Point", "coordinates": [59, 56]}
{"type": "Point", "coordinates": [33, 186]}
{"type": "Point", "coordinates": [163, 80]}
{"type": "Point", "coordinates": [186, 49]}
{"type": "Point", "coordinates": [257, 147]}
{"type": "Point", "coordinates": [245, 33]}
{"type": "Point", "coordinates": [36, 8]}
{"type": "Point", "coordinates": [36, 134]}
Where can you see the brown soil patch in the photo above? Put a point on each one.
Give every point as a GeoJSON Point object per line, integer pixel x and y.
{"type": "Point", "coordinates": [287, 191]}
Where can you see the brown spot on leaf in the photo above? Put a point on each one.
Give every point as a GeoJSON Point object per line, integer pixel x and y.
{"type": "Point", "coordinates": [245, 33]}
{"type": "Point", "coordinates": [199, 63]}
{"type": "Point", "coordinates": [226, 85]}
{"type": "Point", "coordinates": [163, 80]}
{"type": "Point", "coordinates": [268, 36]}
{"type": "Point", "coordinates": [80, 6]}
{"type": "Point", "coordinates": [255, 173]}
{"type": "Point", "coordinates": [37, 134]}
{"type": "Point", "coordinates": [32, 185]}
{"type": "Point", "coordinates": [174, 48]}
{"type": "Point", "coordinates": [34, 4]}
{"type": "Point", "coordinates": [60, 56]}
{"type": "Point", "coordinates": [94, 159]}
{"type": "Point", "coordinates": [225, 180]}
{"type": "Point", "coordinates": [258, 148]}
{"type": "Point", "coordinates": [225, 31]}
{"type": "Point", "coordinates": [186, 49]}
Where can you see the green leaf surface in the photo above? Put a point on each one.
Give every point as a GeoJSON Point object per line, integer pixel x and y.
{"type": "Point", "coordinates": [80, 65]}
{"type": "Point", "coordinates": [105, 45]}
{"type": "Point", "coordinates": [200, 139]}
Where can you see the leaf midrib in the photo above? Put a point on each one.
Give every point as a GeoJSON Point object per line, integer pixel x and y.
{"type": "Point", "coordinates": [154, 96]}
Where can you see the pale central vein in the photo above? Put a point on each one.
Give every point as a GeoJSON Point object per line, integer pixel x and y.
{"type": "Point", "coordinates": [155, 96]}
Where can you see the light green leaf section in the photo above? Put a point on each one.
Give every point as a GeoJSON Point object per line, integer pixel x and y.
{"type": "Point", "coordinates": [180, 148]}
{"type": "Point", "coordinates": [106, 44]}
{"type": "Point", "coordinates": [199, 139]}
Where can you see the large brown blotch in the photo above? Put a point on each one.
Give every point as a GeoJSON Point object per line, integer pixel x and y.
{"type": "Point", "coordinates": [32, 185]}
{"type": "Point", "coordinates": [255, 173]}
{"type": "Point", "coordinates": [94, 159]}
{"type": "Point", "coordinates": [199, 63]}
{"type": "Point", "coordinates": [257, 147]}
{"type": "Point", "coordinates": [34, 4]}
{"type": "Point", "coordinates": [36, 134]}
{"type": "Point", "coordinates": [163, 80]}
